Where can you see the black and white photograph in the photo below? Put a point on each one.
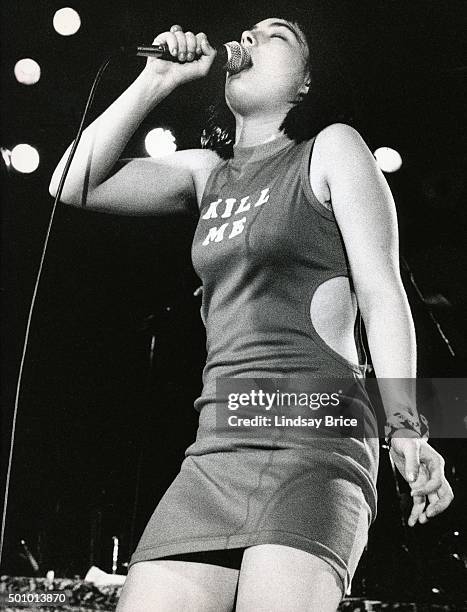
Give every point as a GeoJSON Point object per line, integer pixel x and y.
{"type": "Point", "coordinates": [234, 342]}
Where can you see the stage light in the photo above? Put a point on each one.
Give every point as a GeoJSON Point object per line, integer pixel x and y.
{"type": "Point", "coordinates": [388, 159]}
{"type": "Point", "coordinates": [24, 158]}
{"type": "Point", "coordinates": [66, 21]}
{"type": "Point", "coordinates": [160, 142]}
{"type": "Point", "coordinates": [27, 71]}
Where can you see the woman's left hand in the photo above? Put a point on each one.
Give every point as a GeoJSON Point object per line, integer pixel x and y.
{"type": "Point", "coordinates": [423, 468]}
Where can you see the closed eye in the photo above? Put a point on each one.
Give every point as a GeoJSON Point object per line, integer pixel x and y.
{"type": "Point", "coordinates": [278, 36]}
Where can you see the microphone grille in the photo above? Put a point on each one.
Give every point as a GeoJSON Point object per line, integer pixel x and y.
{"type": "Point", "coordinates": [238, 57]}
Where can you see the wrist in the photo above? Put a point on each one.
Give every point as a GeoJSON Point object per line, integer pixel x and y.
{"type": "Point", "coordinates": [402, 425]}
{"type": "Point", "coordinates": [404, 433]}
{"type": "Point", "coordinates": [152, 89]}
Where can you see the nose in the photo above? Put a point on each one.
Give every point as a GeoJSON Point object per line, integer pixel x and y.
{"type": "Point", "coordinates": [248, 40]}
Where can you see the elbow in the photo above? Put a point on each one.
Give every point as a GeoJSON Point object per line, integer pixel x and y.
{"type": "Point", "coordinates": [65, 197]}
{"type": "Point", "coordinates": [53, 185]}
{"type": "Point", "coordinates": [52, 188]}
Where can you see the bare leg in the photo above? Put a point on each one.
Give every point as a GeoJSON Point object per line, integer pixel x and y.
{"type": "Point", "coordinates": [178, 586]}
{"type": "Point", "coordinates": [276, 578]}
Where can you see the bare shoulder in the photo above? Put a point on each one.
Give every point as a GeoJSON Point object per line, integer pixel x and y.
{"type": "Point", "coordinates": [339, 134]}
{"type": "Point", "coordinates": [343, 157]}
{"type": "Point", "coordinates": [334, 146]}
{"type": "Point", "coordinates": [341, 146]}
{"type": "Point", "coordinates": [353, 178]}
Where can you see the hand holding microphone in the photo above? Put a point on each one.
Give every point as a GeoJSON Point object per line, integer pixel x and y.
{"type": "Point", "coordinates": [183, 56]}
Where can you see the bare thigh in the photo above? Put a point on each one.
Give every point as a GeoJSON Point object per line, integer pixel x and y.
{"type": "Point", "coordinates": [277, 578]}
{"type": "Point", "coordinates": [178, 586]}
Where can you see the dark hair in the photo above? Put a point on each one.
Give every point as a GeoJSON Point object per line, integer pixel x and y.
{"type": "Point", "coordinates": [329, 99]}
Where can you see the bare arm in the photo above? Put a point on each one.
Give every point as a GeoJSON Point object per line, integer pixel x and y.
{"type": "Point", "coordinates": [141, 186]}
{"type": "Point", "coordinates": [147, 186]}
{"type": "Point", "coordinates": [366, 215]}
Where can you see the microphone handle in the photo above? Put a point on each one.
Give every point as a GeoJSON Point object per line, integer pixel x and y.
{"type": "Point", "coordinates": [162, 51]}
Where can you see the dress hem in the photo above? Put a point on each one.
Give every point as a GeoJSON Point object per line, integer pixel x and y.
{"type": "Point", "coordinates": [245, 540]}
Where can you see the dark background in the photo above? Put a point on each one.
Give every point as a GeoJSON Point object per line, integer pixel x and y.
{"type": "Point", "coordinates": [94, 418]}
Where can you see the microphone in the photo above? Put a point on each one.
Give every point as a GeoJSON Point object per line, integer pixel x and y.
{"type": "Point", "coordinates": [232, 56]}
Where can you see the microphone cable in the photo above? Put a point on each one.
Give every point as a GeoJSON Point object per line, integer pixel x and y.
{"type": "Point", "coordinates": [89, 101]}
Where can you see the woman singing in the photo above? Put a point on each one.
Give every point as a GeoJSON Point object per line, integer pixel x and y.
{"type": "Point", "coordinates": [296, 238]}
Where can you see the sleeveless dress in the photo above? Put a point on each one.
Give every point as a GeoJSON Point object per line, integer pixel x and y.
{"type": "Point", "coordinates": [262, 246]}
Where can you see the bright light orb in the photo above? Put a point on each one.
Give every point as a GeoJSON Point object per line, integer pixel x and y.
{"type": "Point", "coordinates": [160, 142]}
{"type": "Point", "coordinates": [27, 71]}
{"type": "Point", "coordinates": [66, 21]}
{"type": "Point", "coordinates": [24, 158]}
{"type": "Point", "coordinates": [388, 159]}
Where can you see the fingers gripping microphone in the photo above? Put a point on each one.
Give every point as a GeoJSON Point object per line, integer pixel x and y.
{"type": "Point", "coordinates": [232, 56]}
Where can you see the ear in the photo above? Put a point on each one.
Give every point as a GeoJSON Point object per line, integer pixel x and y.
{"type": "Point", "coordinates": [302, 92]}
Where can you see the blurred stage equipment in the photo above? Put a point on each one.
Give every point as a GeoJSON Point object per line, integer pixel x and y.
{"type": "Point", "coordinates": [114, 555]}
{"type": "Point", "coordinates": [6, 156]}
{"type": "Point", "coordinates": [427, 306]}
{"type": "Point", "coordinates": [101, 578]}
{"type": "Point", "coordinates": [26, 554]}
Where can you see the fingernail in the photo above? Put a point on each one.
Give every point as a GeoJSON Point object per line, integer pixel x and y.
{"type": "Point", "coordinates": [181, 57]}
{"type": "Point", "coordinates": [173, 51]}
{"type": "Point", "coordinates": [198, 51]}
{"type": "Point", "coordinates": [190, 56]}
{"type": "Point", "coordinates": [410, 476]}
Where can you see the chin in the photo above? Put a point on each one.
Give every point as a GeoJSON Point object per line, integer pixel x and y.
{"type": "Point", "coordinates": [238, 97]}
{"type": "Point", "coordinates": [243, 107]}
{"type": "Point", "coordinates": [244, 96]}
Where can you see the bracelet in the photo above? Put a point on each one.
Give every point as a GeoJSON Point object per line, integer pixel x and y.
{"type": "Point", "coordinates": [398, 420]}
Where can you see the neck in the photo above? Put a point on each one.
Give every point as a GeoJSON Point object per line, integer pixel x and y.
{"type": "Point", "coordinates": [251, 131]}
